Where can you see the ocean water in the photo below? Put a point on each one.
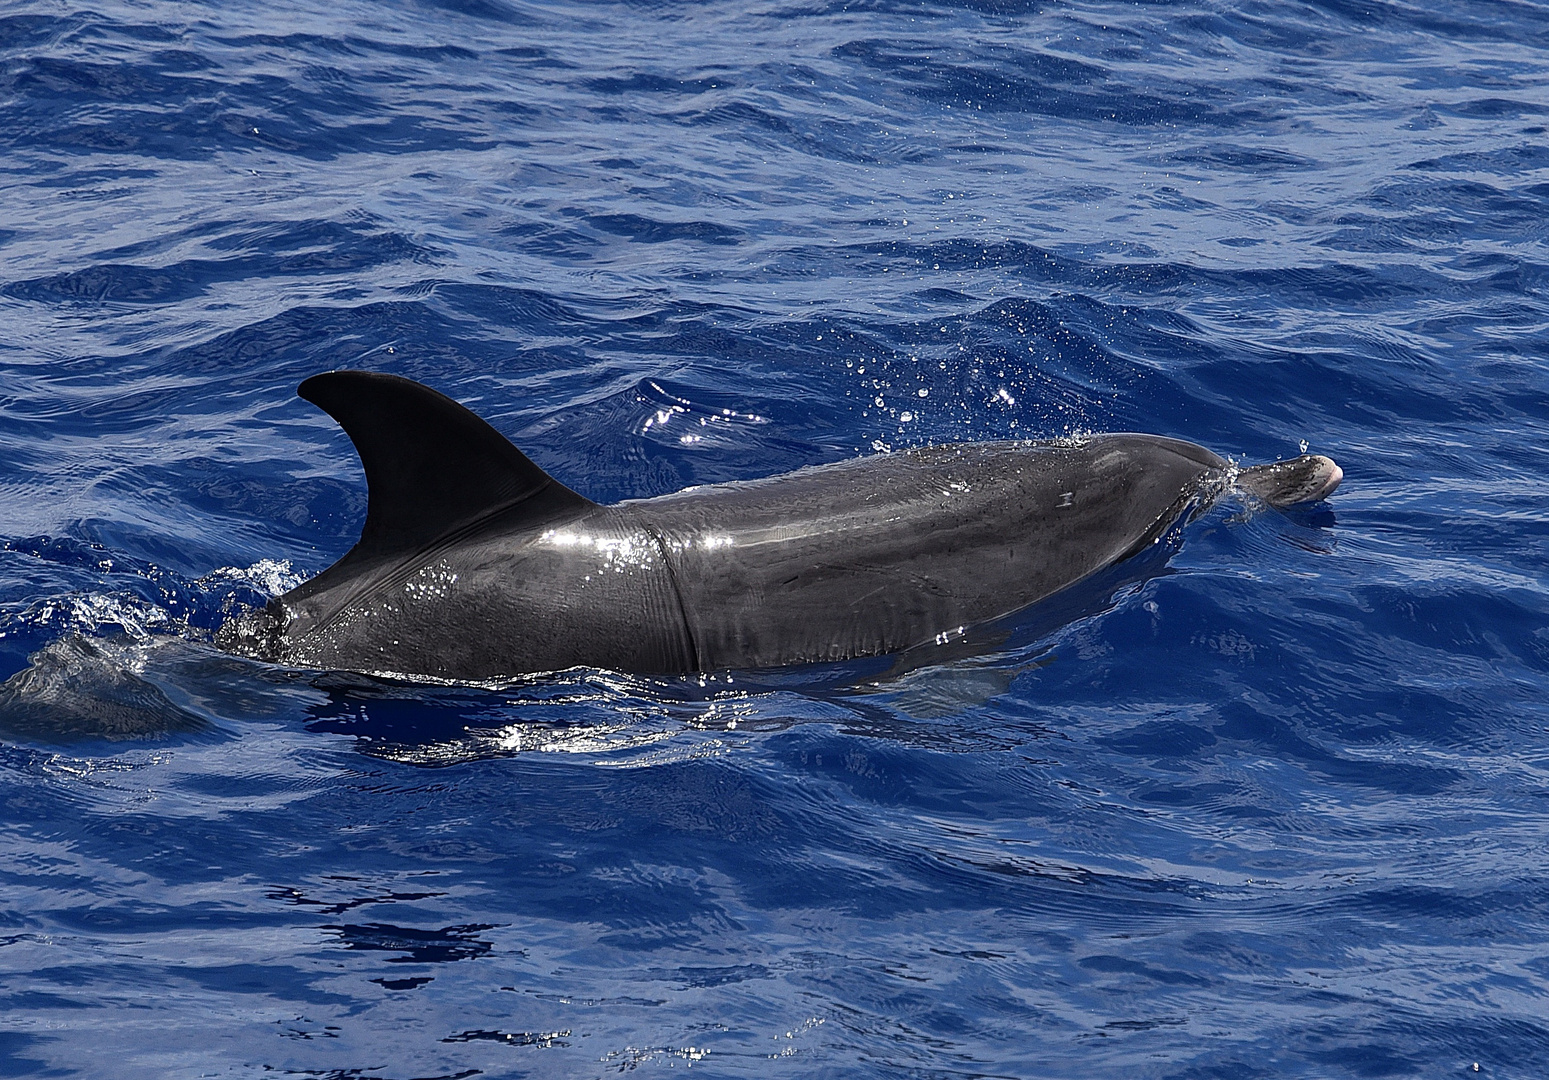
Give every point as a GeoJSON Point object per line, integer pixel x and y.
{"type": "Point", "coordinates": [1275, 806]}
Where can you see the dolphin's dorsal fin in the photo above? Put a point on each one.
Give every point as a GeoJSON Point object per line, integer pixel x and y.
{"type": "Point", "coordinates": [432, 467]}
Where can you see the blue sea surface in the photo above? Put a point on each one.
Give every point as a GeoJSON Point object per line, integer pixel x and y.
{"type": "Point", "coordinates": [1277, 806]}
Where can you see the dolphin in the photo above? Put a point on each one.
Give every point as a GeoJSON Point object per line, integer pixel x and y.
{"type": "Point", "coordinates": [476, 565]}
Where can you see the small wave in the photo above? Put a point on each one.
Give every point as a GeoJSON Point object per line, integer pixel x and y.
{"type": "Point", "coordinates": [77, 688]}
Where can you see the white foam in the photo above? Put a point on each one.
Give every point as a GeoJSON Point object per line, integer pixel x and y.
{"type": "Point", "coordinates": [269, 576]}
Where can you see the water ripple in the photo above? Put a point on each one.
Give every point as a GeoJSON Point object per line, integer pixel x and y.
{"type": "Point", "coordinates": [1268, 805]}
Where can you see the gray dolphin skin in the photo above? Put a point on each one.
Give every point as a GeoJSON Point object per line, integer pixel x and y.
{"type": "Point", "coordinates": [474, 564]}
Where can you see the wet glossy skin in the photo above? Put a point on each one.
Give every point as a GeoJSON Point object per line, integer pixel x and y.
{"type": "Point", "coordinates": [854, 559]}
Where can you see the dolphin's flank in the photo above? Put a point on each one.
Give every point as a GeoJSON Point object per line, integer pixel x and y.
{"type": "Point", "coordinates": [474, 564]}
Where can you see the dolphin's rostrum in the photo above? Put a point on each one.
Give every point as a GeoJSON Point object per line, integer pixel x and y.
{"type": "Point", "coordinates": [474, 564]}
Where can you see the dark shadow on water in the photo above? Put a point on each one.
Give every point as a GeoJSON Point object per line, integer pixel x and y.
{"type": "Point", "coordinates": [412, 983]}
{"type": "Point", "coordinates": [442, 946]}
{"type": "Point", "coordinates": [383, 720]}
{"type": "Point", "coordinates": [1318, 515]}
{"type": "Point", "coordinates": [512, 1038]}
{"type": "Point", "coordinates": [13, 1059]}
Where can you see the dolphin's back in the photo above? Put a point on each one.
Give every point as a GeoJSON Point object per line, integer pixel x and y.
{"type": "Point", "coordinates": [878, 554]}
{"type": "Point", "coordinates": [587, 589]}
